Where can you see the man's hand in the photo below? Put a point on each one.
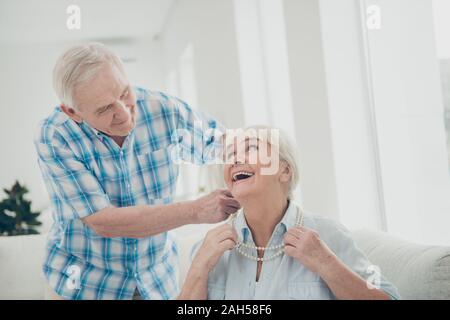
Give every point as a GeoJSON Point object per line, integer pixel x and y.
{"type": "Point", "coordinates": [215, 207]}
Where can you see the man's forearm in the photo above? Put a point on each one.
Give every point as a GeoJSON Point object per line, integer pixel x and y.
{"type": "Point", "coordinates": [143, 220]}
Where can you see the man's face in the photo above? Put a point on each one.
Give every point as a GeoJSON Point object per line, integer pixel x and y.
{"type": "Point", "coordinates": [106, 102]}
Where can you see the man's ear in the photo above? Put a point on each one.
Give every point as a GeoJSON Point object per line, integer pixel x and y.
{"type": "Point", "coordinates": [72, 113]}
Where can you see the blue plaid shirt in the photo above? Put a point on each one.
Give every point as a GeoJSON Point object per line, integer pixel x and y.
{"type": "Point", "coordinates": [85, 171]}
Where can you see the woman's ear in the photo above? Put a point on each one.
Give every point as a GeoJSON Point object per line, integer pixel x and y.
{"type": "Point", "coordinates": [285, 172]}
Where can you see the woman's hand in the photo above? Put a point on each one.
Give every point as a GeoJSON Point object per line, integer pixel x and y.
{"type": "Point", "coordinates": [305, 246]}
{"type": "Point", "coordinates": [216, 242]}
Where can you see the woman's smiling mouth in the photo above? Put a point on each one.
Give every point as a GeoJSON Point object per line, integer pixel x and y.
{"type": "Point", "coordinates": [241, 176]}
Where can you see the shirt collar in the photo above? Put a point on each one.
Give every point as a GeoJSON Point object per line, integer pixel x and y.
{"type": "Point", "coordinates": [96, 132]}
{"type": "Point", "coordinates": [288, 221]}
{"type": "Point", "coordinates": [102, 135]}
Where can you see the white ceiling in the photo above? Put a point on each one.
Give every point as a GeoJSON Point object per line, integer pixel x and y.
{"type": "Point", "coordinates": [33, 21]}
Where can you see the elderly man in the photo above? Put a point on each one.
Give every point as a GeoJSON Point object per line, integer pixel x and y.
{"type": "Point", "coordinates": [107, 158]}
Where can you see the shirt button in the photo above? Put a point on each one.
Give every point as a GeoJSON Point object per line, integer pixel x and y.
{"type": "Point", "coordinates": [135, 274]}
{"type": "Point", "coordinates": [128, 186]}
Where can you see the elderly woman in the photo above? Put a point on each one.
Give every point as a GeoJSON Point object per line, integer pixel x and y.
{"type": "Point", "coordinates": [273, 249]}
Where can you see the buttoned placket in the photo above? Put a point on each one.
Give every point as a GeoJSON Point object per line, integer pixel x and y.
{"type": "Point", "coordinates": [257, 289]}
{"type": "Point", "coordinates": [123, 153]}
{"type": "Point", "coordinates": [132, 242]}
{"type": "Point", "coordinates": [133, 254]}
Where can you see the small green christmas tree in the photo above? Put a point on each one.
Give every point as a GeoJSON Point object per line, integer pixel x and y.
{"type": "Point", "coordinates": [16, 217]}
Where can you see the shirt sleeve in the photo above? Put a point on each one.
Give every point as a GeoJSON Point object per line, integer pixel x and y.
{"type": "Point", "coordinates": [346, 249]}
{"type": "Point", "coordinates": [198, 136]}
{"type": "Point", "coordinates": [74, 190]}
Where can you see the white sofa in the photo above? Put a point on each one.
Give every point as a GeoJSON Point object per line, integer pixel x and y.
{"type": "Point", "coordinates": [419, 272]}
{"type": "Point", "coordinates": [21, 267]}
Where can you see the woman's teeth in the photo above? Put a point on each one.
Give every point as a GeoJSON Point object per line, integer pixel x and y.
{"type": "Point", "coordinates": [242, 175]}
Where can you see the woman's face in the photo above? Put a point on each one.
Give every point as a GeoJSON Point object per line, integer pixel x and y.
{"type": "Point", "coordinates": [244, 172]}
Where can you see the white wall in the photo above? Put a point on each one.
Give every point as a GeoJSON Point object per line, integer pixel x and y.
{"type": "Point", "coordinates": [330, 111]}
{"type": "Point", "coordinates": [310, 107]}
{"type": "Point", "coordinates": [27, 97]}
{"type": "Point", "coordinates": [410, 121]}
{"type": "Point", "coordinates": [348, 102]}
{"type": "Point", "coordinates": [370, 120]}
{"type": "Point", "coordinates": [209, 26]}
{"type": "Point", "coordinates": [441, 11]}
{"type": "Point", "coordinates": [204, 29]}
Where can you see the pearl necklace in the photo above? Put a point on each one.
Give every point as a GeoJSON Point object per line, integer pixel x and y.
{"type": "Point", "coordinates": [279, 247]}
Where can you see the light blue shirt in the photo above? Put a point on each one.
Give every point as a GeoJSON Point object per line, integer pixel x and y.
{"type": "Point", "coordinates": [284, 277]}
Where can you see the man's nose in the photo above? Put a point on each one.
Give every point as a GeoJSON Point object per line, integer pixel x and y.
{"type": "Point", "coordinates": [121, 110]}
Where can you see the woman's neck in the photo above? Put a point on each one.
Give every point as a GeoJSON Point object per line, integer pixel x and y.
{"type": "Point", "coordinates": [262, 215]}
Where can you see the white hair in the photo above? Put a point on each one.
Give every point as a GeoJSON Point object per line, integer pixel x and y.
{"type": "Point", "coordinates": [287, 153]}
{"type": "Point", "coordinates": [77, 65]}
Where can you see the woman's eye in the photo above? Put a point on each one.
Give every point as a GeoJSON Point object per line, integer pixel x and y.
{"type": "Point", "coordinates": [252, 147]}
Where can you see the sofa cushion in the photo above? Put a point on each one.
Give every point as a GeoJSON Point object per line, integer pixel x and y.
{"type": "Point", "coordinates": [21, 275]}
{"type": "Point", "coordinates": [418, 271]}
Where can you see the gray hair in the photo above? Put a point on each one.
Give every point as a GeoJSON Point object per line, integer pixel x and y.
{"type": "Point", "coordinates": [287, 153]}
{"type": "Point", "coordinates": [77, 65]}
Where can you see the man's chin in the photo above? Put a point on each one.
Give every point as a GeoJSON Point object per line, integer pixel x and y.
{"type": "Point", "coordinates": [123, 132]}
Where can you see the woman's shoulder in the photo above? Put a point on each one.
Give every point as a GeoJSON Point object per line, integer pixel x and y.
{"type": "Point", "coordinates": [320, 222]}
{"type": "Point", "coordinates": [335, 235]}
{"type": "Point", "coordinates": [329, 229]}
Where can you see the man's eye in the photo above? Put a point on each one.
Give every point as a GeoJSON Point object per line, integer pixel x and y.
{"type": "Point", "coordinates": [106, 109]}
{"type": "Point", "coordinates": [124, 95]}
